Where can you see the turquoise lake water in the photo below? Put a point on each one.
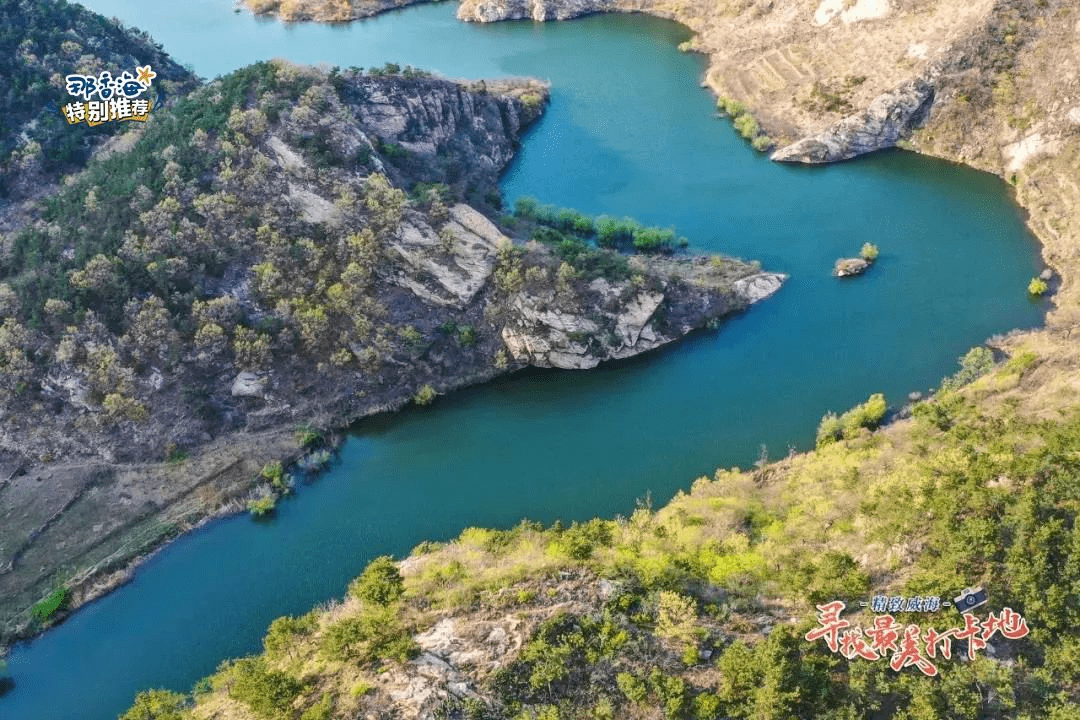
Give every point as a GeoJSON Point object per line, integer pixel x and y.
{"type": "Point", "coordinates": [629, 132]}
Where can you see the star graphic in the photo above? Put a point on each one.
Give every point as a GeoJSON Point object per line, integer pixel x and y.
{"type": "Point", "coordinates": [145, 75]}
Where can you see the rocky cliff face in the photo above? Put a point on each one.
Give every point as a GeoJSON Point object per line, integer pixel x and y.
{"type": "Point", "coordinates": [892, 116]}
{"type": "Point", "coordinates": [622, 320]}
{"type": "Point", "coordinates": [539, 10]}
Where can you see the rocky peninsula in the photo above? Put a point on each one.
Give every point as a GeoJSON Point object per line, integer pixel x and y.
{"type": "Point", "coordinates": [290, 250]}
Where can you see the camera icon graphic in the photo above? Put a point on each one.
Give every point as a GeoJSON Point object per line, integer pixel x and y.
{"type": "Point", "coordinates": [970, 598]}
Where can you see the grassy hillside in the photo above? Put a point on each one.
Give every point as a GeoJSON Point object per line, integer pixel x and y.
{"type": "Point", "coordinates": [698, 610]}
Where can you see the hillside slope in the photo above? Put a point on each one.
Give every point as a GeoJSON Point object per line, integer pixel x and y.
{"type": "Point", "coordinates": [284, 252]}
{"type": "Point", "coordinates": [700, 610]}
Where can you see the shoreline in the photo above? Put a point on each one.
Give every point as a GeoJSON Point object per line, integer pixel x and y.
{"type": "Point", "coordinates": [102, 582]}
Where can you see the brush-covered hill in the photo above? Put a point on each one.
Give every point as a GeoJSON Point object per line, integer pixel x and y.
{"type": "Point", "coordinates": [290, 248]}
{"type": "Point", "coordinates": [699, 610]}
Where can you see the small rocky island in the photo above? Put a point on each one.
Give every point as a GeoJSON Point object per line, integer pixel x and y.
{"type": "Point", "coordinates": [286, 248]}
{"type": "Point", "coordinates": [850, 267]}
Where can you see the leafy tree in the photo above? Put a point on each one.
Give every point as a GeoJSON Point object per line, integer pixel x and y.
{"type": "Point", "coordinates": [974, 364]}
{"type": "Point", "coordinates": [381, 582]}
{"type": "Point", "coordinates": [157, 705]}
{"type": "Point", "coordinates": [269, 693]}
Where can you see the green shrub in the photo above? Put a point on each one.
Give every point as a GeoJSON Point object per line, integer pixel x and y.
{"type": "Point", "coordinates": [272, 471]}
{"type": "Point", "coordinates": [51, 604]}
{"type": "Point", "coordinates": [762, 142]}
{"type": "Point", "coordinates": [869, 252]}
{"type": "Point", "coordinates": [579, 540]}
{"type": "Point", "coordinates": [283, 632]}
{"type": "Point", "coordinates": [375, 634]}
{"type": "Point", "coordinates": [1037, 287]}
{"type": "Point", "coordinates": [269, 693]}
{"type": "Point", "coordinates": [262, 505]}
{"type": "Point", "coordinates": [157, 705]}
{"type": "Point", "coordinates": [322, 710]}
{"type": "Point", "coordinates": [381, 582]}
{"type": "Point", "coordinates": [974, 364]}
{"type": "Point", "coordinates": [308, 436]}
{"type": "Point", "coordinates": [425, 395]}
{"type": "Point", "coordinates": [632, 687]}
{"type": "Point", "coordinates": [829, 429]}
{"type": "Point", "coordinates": [730, 106]}
{"type": "Point", "coordinates": [747, 126]}
{"type": "Point", "coordinates": [867, 415]}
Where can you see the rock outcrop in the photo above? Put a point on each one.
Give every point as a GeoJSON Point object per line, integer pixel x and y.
{"type": "Point", "coordinates": [890, 117]}
{"type": "Point", "coordinates": [849, 267]}
{"type": "Point", "coordinates": [539, 10]}
{"type": "Point", "coordinates": [618, 320]}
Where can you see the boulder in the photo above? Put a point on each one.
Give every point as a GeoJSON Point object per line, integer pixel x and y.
{"type": "Point", "coordinates": [248, 384]}
{"type": "Point", "coordinates": [758, 287]}
{"type": "Point", "coordinates": [849, 267]}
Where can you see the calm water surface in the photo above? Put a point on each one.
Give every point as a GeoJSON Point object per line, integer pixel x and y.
{"type": "Point", "coordinates": [629, 132]}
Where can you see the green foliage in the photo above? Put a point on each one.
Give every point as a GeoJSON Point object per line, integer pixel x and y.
{"type": "Point", "coordinates": [269, 693]}
{"type": "Point", "coordinates": [51, 604]}
{"type": "Point", "coordinates": [1037, 287]}
{"type": "Point", "coordinates": [745, 123]}
{"type": "Point", "coordinates": [284, 632]}
{"type": "Point", "coordinates": [375, 634]}
{"type": "Point", "coordinates": [829, 430]}
{"type": "Point", "coordinates": [579, 540]}
{"type": "Point", "coordinates": [973, 365]}
{"type": "Point", "coordinates": [869, 252]}
{"type": "Point", "coordinates": [560, 653]}
{"type": "Point", "coordinates": [828, 576]}
{"type": "Point", "coordinates": [558, 226]}
{"type": "Point", "coordinates": [867, 415]}
{"type": "Point", "coordinates": [322, 710]}
{"type": "Point", "coordinates": [40, 39]}
{"type": "Point", "coordinates": [262, 505]}
{"type": "Point", "coordinates": [425, 395]}
{"type": "Point", "coordinates": [381, 582]}
{"type": "Point", "coordinates": [632, 687]}
{"type": "Point", "coordinates": [157, 705]}
{"type": "Point", "coordinates": [272, 472]}
{"type": "Point", "coordinates": [308, 436]}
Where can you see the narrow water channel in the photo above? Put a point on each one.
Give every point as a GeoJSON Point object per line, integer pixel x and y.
{"type": "Point", "coordinates": [629, 132]}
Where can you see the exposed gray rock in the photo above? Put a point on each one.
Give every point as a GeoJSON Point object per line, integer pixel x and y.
{"type": "Point", "coordinates": [758, 287]}
{"type": "Point", "coordinates": [620, 320]}
{"type": "Point", "coordinates": [248, 384]}
{"type": "Point", "coordinates": [889, 118]}
{"type": "Point", "coordinates": [849, 267]}
{"type": "Point", "coordinates": [538, 10]}
{"type": "Point", "coordinates": [454, 278]}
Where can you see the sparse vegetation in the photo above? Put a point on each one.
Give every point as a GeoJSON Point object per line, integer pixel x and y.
{"type": "Point", "coordinates": [745, 123]}
{"type": "Point", "coordinates": [991, 500]}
